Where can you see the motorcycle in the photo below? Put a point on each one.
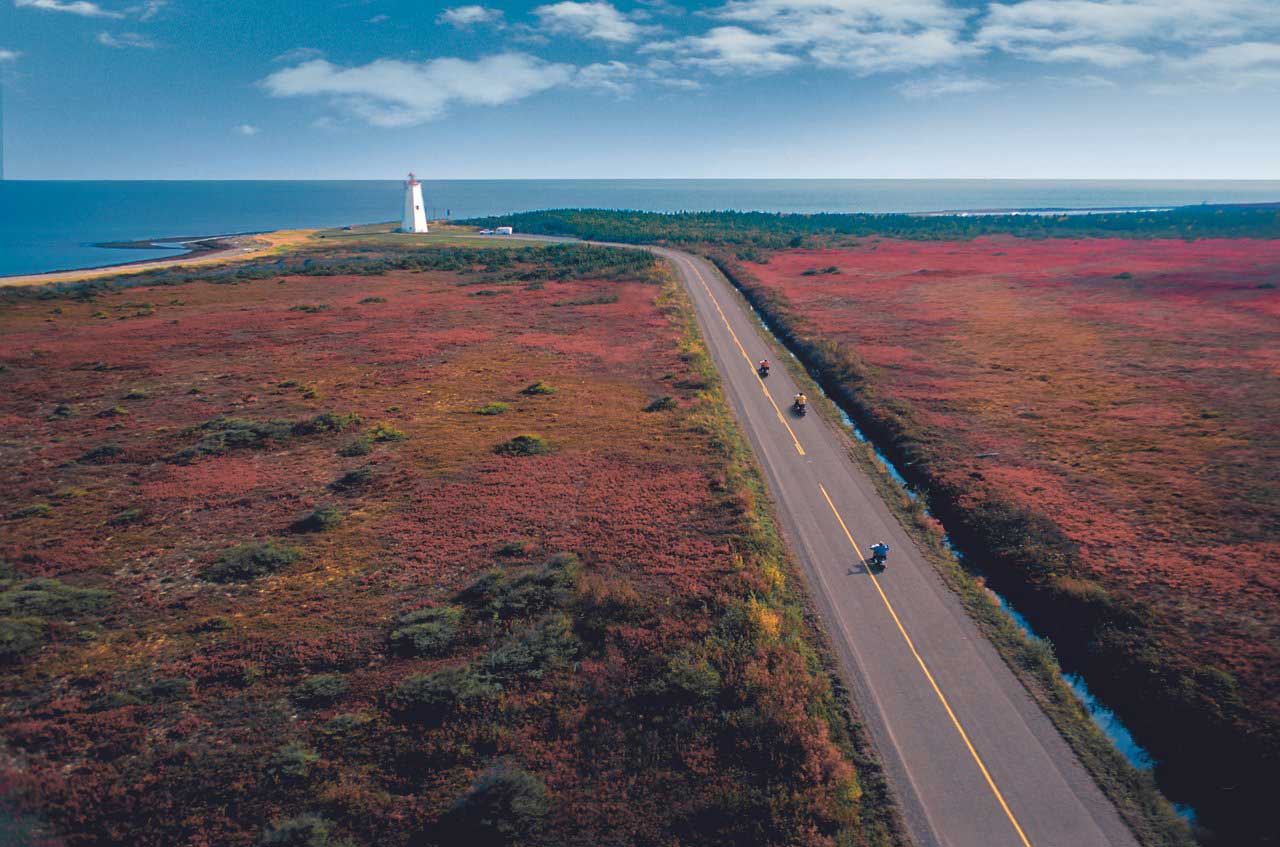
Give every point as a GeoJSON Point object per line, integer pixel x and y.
{"type": "Point", "coordinates": [800, 409]}
{"type": "Point", "coordinates": [763, 370]}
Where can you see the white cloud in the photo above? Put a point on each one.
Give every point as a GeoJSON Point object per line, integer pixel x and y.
{"type": "Point", "coordinates": [379, 19]}
{"type": "Point", "coordinates": [298, 55]}
{"type": "Point", "coordinates": [1120, 33]}
{"type": "Point", "coordinates": [1250, 63]}
{"type": "Point", "coordinates": [944, 86]}
{"type": "Point", "coordinates": [395, 93]}
{"type": "Point", "coordinates": [149, 9]}
{"type": "Point", "coordinates": [863, 36]}
{"type": "Point", "coordinates": [248, 130]}
{"type": "Point", "coordinates": [126, 40]}
{"type": "Point", "coordinates": [9, 55]}
{"type": "Point", "coordinates": [609, 77]}
{"type": "Point", "coordinates": [465, 16]}
{"type": "Point", "coordinates": [730, 50]}
{"type": "Point", "coordinates": [74, 7]}
{"type": "Point", "coordinates": [596, 20]}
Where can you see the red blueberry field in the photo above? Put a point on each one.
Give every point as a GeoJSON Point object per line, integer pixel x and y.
{"type": "Point", "coordinates": [1120, 397]}
{"type": "Point", "coordinates": [455, 548]}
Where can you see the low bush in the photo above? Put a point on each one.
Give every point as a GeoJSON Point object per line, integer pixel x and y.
{"type": "Point", "coordinates": [293, 761]}
{"type": "Point", "coordinates": [507, 805]}
{"type": "Point", "coordinates": [48, 598]}
{"type": "Point", "coordinates": [692, 676]}
{"type": "Point", "coordinates": [310, 308]}
{"type": "Point", "coordinates": [300, 831]}
{"type": "Point", "coordinates": [249, 561]}
{"type": "Point", "coordinates": [426, 632]}
{"type": "Point", "coordinates": [503, 596]}
{"type": "Point", "coordinates": [368, 300]}
{"type": "Point", "coordinates": [362, 446]}
{"type": "Point", "coordinates": [113, 412]}
{"type": "Point", "coordinates": [539, 648]}
{"type": "Point", "coordinates": [384, 431]}
{"type": "Point", "coordinates": [428, 698]}
{"type": "Point", "coordinates": [321, 520]}
{"type": "Point", "coordinates": [35, 510]}
{"type": "Point", "coordinates": [126, 517]}
{"type": "Point", "coordinates": [523, 445]}
{"type": "Point", "coordinates": [19, 636]}
{"type": "Point", "coordinates": [100, 454]}
{"type": "Point", "coordinates": [493, 408]}
{"type": "Point", "coordinates": [538, 388]}
{"type": "Point", "coordinates": [352, 479]}
{"type": "Point", "coordinates": [319, 690]}
{"type": "Point", "coordinates": [171, 688]}
{"type": "Point", "coordinates": [661, 404]}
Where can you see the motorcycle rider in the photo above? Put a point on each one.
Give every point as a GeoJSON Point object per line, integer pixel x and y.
{"type": "Point", "coordinates": [879, 553]}
{"type": "Point", "coordinates": [764, 366]}
{"type": "Point", "coordinates": [801, 400]}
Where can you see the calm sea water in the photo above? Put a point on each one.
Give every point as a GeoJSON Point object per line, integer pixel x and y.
{"type": "Point", "coordinates": [55, 225]}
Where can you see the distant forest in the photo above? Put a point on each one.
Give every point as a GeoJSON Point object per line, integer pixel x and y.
{"type": "Point", "coordinates": [773, 230]}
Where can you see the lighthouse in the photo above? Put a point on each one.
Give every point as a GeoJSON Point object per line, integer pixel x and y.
{"type": "Point", "coordinates": [415, 217]}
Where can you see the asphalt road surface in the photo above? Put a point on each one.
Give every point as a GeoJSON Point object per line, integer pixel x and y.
{"type": "Point", "coordinates": [973, 760]}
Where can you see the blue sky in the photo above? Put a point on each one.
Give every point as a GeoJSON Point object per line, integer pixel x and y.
{"type": "Point", "coordinates": [745, 88]}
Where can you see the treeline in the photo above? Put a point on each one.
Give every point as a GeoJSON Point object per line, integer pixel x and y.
{"type": "Point", "coordinates": [549, 262]}
{"type": "Point", "coordinates": [774, 230]}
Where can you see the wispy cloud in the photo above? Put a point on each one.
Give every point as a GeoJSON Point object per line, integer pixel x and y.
{"type": "Point", "coordinates": [944, 86]}
{"type": "Point", "coordinates": [72, 7]}
{"type": "Point", "coordinates": [1122, 33]}
{"type": "Point", "coordinates": [9, 55]}
{"type": "Point", "coordinates": [862, 36]}
{"type": "Point", "coordinates": [396, 93]}
{"type": "Point", "coordinates": [248, 130]}
{"type": "Point", "coordinates": [468, 16]}
{"type": "Point", "coordinates": [125, 41]}
{"type": "Point", "coordinates": [298, 55]}
{"type": "Point", "coordinates": [597, 21]}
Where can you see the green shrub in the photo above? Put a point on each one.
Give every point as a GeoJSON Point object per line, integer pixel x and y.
{"type": "Point", "coordinates": [47, 598]}
{"type": "Point", "coordinates": [493, 408]}
{"type": "Point", "coordinates": [503, 596]}
{"type": "Point", "coordinates": [172, 688]}
{"type": "Point", "coordinates": [345, 724]}
{"type": "Point", "coordinates": [100, 454]}
{"type": "Point", "coordinates": [301, 831]}
{"type": "Point", "coordinates": [293, 761]}
{"type": "Point", "coordinates": [692, 676]}
{"type": "Point", "coordinates": [62, 411]}
{"type": "Point", "coordinates": [19, 636]}
{"type": "Point", "coordinates": [428, 631]}
{"type": "Point", "coordinates": [362, 446]}
{"type": "Point", "coordinates": [352, 479]}
{"type": "Point", "coordinates": [539, 648]}
{"type": "Point", "coordinates": [366, 301]}
{"type": "Point", "coordinates": [429, 698]}
{"type": "Point", "coordinates": [113, 412]}
{"type": "Point", "coordinates": [523, 445]}
{"type": "Point", "coordinates": [538, 388]}
{"type": "Point", "coordinates": [35, 510]}
{"type": "Point", "coordinates": [249, 561]}
{"type": "Point", "coordinates": [326, 422]}
{"type": "Point", "coordinates": [136, 394]}
{"type": "Point", "coordinates": [319, 690]}
{"type": "Point", "coordinates": [126, 517]}
{"type": "Point", "coordinates": [309, 308]}
{"type": "Point", "coordinates": [661, 404]}
{"type": "Point", "coordinates": [321, 520]}
{"type": "Point", "coordinates": [384, 431]}
{"type": "Point", "coordinates": [507, 805]}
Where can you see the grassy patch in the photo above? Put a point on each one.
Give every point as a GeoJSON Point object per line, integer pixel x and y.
{"type": "Point", "coordinates": [250, 561]}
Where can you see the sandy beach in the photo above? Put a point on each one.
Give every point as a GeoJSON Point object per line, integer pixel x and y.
{"type": "Point", "coordinates": [230, 247]}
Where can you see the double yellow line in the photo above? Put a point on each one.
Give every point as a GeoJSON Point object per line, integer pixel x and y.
{"type": "Point", "coordinates": [964, 736]}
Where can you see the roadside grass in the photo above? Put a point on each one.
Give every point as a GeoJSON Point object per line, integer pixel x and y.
{"type": "Point", "coordinates": [1148, 813]}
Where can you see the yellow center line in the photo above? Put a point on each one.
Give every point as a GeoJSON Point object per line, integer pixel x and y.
{"type": "Point", "coordinates": [929, 676]}
{"type": "Point", "coordinates": [764, 389]}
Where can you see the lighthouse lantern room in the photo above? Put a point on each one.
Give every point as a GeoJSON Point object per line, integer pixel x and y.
{"type": "Point", "coordinates": [415, 216]}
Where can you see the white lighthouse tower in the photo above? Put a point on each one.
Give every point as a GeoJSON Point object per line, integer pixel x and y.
{"type": "Point", "coordinates": [415, 216]}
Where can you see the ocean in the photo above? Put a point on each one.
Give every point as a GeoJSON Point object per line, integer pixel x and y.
{"type": "Point", "coordinates": [48, 226]}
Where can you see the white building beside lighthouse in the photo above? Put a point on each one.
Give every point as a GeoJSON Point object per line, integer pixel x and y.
{"type": "Point", "coordinates": [415, 215]}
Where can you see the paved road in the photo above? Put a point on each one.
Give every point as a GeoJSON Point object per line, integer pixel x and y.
{"type": "Point", "coordinates": [973, 760]}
